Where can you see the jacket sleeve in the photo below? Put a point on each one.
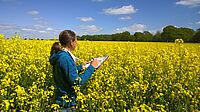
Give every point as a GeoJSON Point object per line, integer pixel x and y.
{"type": "Point", "coordinates": [71, 73]}
{"type": "Point", "coordinates": [79, 68]}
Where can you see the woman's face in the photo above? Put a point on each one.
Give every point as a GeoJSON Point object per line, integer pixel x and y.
{"type": "Point", "coordinates": [73, 44]}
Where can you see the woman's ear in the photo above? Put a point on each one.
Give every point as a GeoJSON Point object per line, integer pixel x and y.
{"type": "Point", "coordinates": [71, 43]}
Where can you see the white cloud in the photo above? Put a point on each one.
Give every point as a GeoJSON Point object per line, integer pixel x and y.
{"type": "Point", "coordinates": [155, 31]}
{"type": "Point", "coordinates": [49, 29]}
{"type": "Point", "coordinates": [37, 18]}
{"type": "Point", "coordinates": [42, 32]}
{"type": "Point", "coordinates": [40, 20]}
{"type": "Point", "coordinates": [82, 33]}
{"type": "Point", "coordinates": [198, 23]}
{"type": "Point", "coordinates": [192, 3]}
{"type": "Point", "coordinates": [97, 0]}
{"type": "Point", "coordinates": [199, 12]}
{"type": "Point", "coordinates": [33, 12]}
{"type": "Point", "coordinates": [31, 31]}
{"type": "Point", "coordinates": [7, 26]}
{"type": "Point", "coordinates": [125, 18]}
{"type": "Point", "coordinates": [28, 29]}
{"type": "Point", "coordinates": [133, 28]}
{"type": "Point", "coordinates": [85, 19]}
{"type": "Point", "coordinates": [122, 10]}
{"type": "Point", "coordinates": [90, 28]}
{"type": "Point", "coordinates": [38, 26]}
{"type": "Point", "coordinates": [9, 29]}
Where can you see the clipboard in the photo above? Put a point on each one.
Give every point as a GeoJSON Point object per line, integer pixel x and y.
{"type": "Point", "coordinates": [100, 59]}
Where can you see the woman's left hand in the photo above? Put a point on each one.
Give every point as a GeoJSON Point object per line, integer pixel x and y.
{"type": "Point", "coordinates": [85, 64]}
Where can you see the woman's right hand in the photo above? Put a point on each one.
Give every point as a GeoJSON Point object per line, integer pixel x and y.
{"type": "Point", "coordinates": [95, 63]}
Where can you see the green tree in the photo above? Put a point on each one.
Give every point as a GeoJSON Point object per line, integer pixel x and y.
{"type": "Point", "coordinates": [196, 37]}
{"type": "Point", "coordinates": [185, 33]}
{"type": "Point", "coordinates": [157, 37]}
{"type": "Point", "coordinates": [169, 33]}
{"type": "Point", "coordinates": [116, 37]}
{"type": "Point", "coordinates": [138, 36]}
{"type": "Point", "coordinates": [125, 36]}
{"type": "Point", "coordinates": [147, 36]}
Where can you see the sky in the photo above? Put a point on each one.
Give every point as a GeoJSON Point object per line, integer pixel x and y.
{"type": "Point", "coordinates": [47, 18]}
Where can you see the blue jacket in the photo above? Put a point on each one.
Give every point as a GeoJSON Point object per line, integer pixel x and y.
{"type": "Point", "coordinates": [65, 74]}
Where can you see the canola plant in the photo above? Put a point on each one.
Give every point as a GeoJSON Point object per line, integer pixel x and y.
{"type": "Point", "coordinates": [137, 76]}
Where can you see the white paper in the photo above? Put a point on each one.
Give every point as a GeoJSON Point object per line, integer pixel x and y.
{"type": "Point", "coordinates": [99, 59]}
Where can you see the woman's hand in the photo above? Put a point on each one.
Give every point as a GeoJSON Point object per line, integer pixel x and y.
{"type": "Point", "coordinates": [95, 63]}
{"type": "Point", "coordinates": [85, 64]}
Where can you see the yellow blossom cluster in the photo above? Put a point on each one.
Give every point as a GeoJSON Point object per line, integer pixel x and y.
{"type": "Point", "coordinates": [137, 76]}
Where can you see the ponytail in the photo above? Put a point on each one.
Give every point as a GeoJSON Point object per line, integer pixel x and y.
{"type": "Point", "coordinates": [55, 48]}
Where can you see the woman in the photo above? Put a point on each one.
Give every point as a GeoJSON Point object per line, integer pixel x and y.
{"type": "Point", "coordinates": [65, 71]}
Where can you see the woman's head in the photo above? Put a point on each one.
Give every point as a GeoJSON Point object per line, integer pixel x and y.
{"type": "Point", "coordinates": [68, 39]}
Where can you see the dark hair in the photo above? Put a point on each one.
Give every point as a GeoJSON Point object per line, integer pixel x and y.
{"type": "Point", "coordinates": [55, 47]}
{"type": "Point", "coordinates": [65, 38]}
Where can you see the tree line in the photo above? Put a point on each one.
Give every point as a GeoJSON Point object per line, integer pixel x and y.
{"type": "Point", "coordinates": [169, 34]}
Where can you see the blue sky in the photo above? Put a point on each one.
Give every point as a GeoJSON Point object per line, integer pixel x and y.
{"type": "Point", "coordinates": [46, 18]}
